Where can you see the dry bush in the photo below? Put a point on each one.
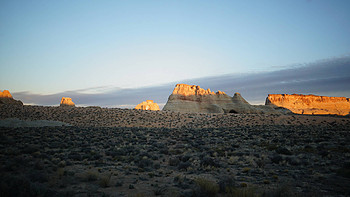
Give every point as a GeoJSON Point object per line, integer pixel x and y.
{"type": "Point", "coordinates": [91, 175]}
{"type": "Point", "coordinates": [105, 180]}
{"type": "Point", "coordinates": [206, 187]}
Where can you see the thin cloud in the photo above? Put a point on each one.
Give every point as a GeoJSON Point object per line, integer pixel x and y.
{"type": "Point", "coordinates": [329, 77]}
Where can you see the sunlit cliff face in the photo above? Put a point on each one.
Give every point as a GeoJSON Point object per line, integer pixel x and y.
{"type": "Point", "coordinates": [66, 101]}
{"type": "Point", "coordinates": [193, 99]}
{"type": "Point", "coordinates": [5, 94]}
{"type": "Point", "coordinates": [6, 98]}
{"type": "Point", "coordinates": [148, 105]}
{"type": "Point", "coordinates": [187, 90]}
{"type": "Point", "coordinates": [310, 104]}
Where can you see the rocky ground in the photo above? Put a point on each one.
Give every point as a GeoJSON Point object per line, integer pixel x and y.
{"type": "Point", "coordinates": [121, 152]}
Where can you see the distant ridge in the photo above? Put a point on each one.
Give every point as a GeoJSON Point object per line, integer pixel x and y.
{"type": "Point", "coordinates": [310, 104]}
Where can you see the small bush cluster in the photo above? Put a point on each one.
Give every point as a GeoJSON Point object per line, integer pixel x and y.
{"type": "Point", "coordinates": [206, 187]}
{"type": "Point", "coordinates": [105, 180]}
{"type": "Point", "coordinates": [91, 176]}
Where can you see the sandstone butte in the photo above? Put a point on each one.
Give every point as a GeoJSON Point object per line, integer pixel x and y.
{"type": "Point", "coordinates": [310, 104]}
{"type": "Point", "coordinates": [66, 101]}
{"type": "Point", "coordinates": [5, 94]}
{"type": "Point", "coordinates": [192, 98]}
{"type": "Point", "coordinates": [148, 105]}
{"type": "Point", "coordinates": [6, 98]}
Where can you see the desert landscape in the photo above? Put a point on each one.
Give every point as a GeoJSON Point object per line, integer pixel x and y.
{"type": "Point", "coordinates": [94, 151]}
{"type": "Point", "coordinates": [197, 98]}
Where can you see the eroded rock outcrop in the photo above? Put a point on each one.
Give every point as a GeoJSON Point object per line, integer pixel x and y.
{"type": "Point", "coordinates": [148, 105]}
{"type": "Point", "coordinates": [5, 94]}
{"type": "Point", "coordinates": [310, 104]}
{"type": "Point", "coordinates": [66, 101]}
{"type": "Point", "coordinates": [192, 98]}
{"type": "Point", "coordinates": [6, 98]}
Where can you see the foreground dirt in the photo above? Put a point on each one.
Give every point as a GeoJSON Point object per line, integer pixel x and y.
{"type": "Point", "coordinates": [119, 152]}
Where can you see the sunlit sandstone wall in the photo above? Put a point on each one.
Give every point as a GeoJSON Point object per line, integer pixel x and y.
{"type": "Point", "coordinates": [148, 105]}
{"type": "Point", "coordinates": [66, 101]}
{"type": "Point", "coordinates": [193, 99]}
{"type": "Point", "coordinates": [6, 98]}
{"type": "Point", "coordinates": [5, 94]}
{"type": "Point", "coordinates": [310, 104]}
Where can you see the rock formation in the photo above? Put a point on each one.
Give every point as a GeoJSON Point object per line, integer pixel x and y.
{"type": "Point", "coordinates": [310, 104]}
{"type": "Point", "coordinates": [192, 98]}
{"type": "Point", "coordinates": [148, 105]}
{"type": "Point", "coordinates": [5, 94]}
{"type": "Point", "coordinates": [66, 101]}
{"type": "Point", "coordinates": [6, 98]}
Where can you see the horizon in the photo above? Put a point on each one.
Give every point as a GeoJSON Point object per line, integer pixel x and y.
{"type": "Point", "coordinates": [87, 48]}
{"type": "Point", "coordinates": [329, 77]}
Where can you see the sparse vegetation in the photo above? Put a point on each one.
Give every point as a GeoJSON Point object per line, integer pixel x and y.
{"type": "Point", "coordinates": [105, 180]}
{"type": "Point", "coordinates": [241, 192]}
{"type": "Point", "coordinates": [236, 155]}
{"type": "Point", "coordinates": [91, 175]}
{"type": "Point", "coordinates": [344, 171]}
{"type": "Point", "coordinates": [206, 187]}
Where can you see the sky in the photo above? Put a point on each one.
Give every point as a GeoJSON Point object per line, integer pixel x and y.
{"type": "Point", "coordinates": [98, 47]}
{"type": "Point", "coordinates": [328, 77]}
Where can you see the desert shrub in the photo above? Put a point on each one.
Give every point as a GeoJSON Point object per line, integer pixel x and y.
{"type": "Point", "coordinates": [182, 182]}
{"type": "Point", "coordinates": [143, 163]}
{"type": "Point", "coordinates": [138, 195]}
{"type": "Point", "coordinates": [151, 175]}
{"type": "Point", "coordinates": [344, 171]}
{"type": "Point", "coordinates": [158, 191]}
{"type": "Point", "coordinates": [119, 183]}
{"type": "Point", "coordinates": [206, 187]}
{"type": "Point", "coordinates": [61, 164]}
{"type": "Point", "coordinates": [185, 158]}
{"type": "Point", "coordinates": [61, 172]}
{"type": "Point", "coordinates": [91, 175]}
{"type": "Point", "coordinates": [21, 186]}
{"type": "Point", "coordinates": [105, 180]}
{"type": "Point", "coordinates": [164, 151]}
{"type": "Point", "coordinates": [184, 165]}
{"type": "Point", "coordinates": [226, 182]}
{"type": "Point", "coordinates": [37, 176]}
{"type": "Point", "coordinates": [156, 166]}
{"type": "Point", "coordinates": [240, 192]}
{"type": "Point", "coordinates": [174, 161]}
{"type": "Point", "coordinates": [282, 190]}
{"type": "Point", "coordinates": [208, 161]}
{"type": "Point", "coordinates": [246, 169]}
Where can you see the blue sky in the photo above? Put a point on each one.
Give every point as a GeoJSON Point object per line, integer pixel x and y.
{"type": "Point", "coordinates": [47, 47]}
